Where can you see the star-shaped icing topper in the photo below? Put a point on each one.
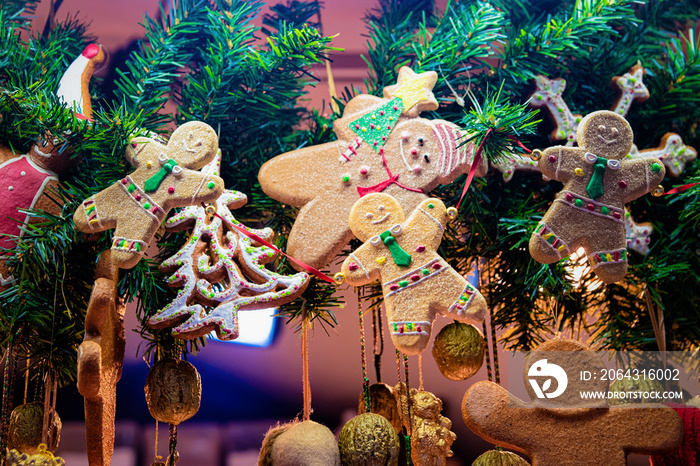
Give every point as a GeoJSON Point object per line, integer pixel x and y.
{"type": "Point", "coordinates": [415, 90]}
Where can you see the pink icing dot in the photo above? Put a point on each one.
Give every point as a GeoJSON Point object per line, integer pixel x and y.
{"type": "Point", "coordinates": [124, 181]}
{"type": "Point", "coordinates": [414, 152]}
{"type": "Point", "coordinates": [420, 248]}
{"type": "Point", "coordinates": [415, 277]}
{"type": "Point", "coordinates": [388, 126]}
{"type": "Point", "coordinates": [569, 197]}
{"type": "Point", "coordinates": [171, 189]}
{"type": "Point", "coordinates": [436, 265]}
{"type": "Point", "coordinates": [353, 266]}
{"type": "Point", "coordinates": [394, 287]}
{"type": "Point", "coordinates": [372, 126]}
{"type": "Point", "coordinates": [552, 158]}
{"type": "Point", "coordinates": [616, 215]}
{"type": "Point", "coordinates": [363, 171]}
{"type": "Point", "coordinates": [622, 184]}
{"type": "Point", "coordinates": [154, 209]}
{"type": "Point", "coordinates": [590, 207]}
{"type": "Point", "coordinates": [357, 126]}
{"type": "Point", "coordinates": [137, 196]}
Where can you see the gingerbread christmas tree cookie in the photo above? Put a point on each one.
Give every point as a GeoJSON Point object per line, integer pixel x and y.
{"type": "Point", "coordinates": [417, 283]}
{"type": "Point", "coordinates": [165, 178]}
{"type": "Point", "coordinates": [598, 181]}
{"type": "Point", "coordinates": [569, 433]}
{"type": "Point", "coordinates": [383, 146]}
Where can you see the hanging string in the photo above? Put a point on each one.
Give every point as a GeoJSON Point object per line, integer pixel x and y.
{"type": "Point", "coordinates": [494, 340]}
{"type": "Point", "coordinates": [410, 415]}
{"type": "Point", "coordinates": [479, 276]}
{"type": "Point", "coordinates": [404, 408]}
{"type": "Point", "coordinates": [489, 373]}
{"type": "Point", "coordinates": [365, 380]}
{"type": "Point", "coordinates": [47, 401]}
{"type": "Point", "coordinates": [156, 458]}
{"type": "Point", "coordinates": [6, 398]}
{"type": "Point", "coordinates": [26, 380]}
{"type": "Point", "coordinates": [306, 385]}
{"type": "Point", "coordinates": [172, 431]}
{"type": "Point", "coordinates": [378, 341]}
{"type": "Point", "coordinates": [420, 371]}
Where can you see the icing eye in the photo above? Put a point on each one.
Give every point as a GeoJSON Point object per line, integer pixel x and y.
{"type": "Point", "coordinates": [614, 131]}
{"type": "Point", "coordinates": [601, 128]}
{"type": "Point", "coordinates": [381, 207]}
{"type": "Point", "coordinates": [162, 158]}
{"type": "Point", "coordinates": [420, 141]}
{"type": "Point", "coordinates": [177, 171]}
{"type": "Point", "coordinates": [368, 215]}
{"type": "Point", "coordinates": [427, 160]}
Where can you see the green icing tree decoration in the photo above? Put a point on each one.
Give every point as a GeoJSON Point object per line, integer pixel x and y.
{"type": "Point", "coordinates": [375, 126]}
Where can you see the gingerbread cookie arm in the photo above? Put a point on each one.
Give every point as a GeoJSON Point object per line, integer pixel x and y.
{"type": "Point", "coordinates": [665, 435]}
{"type": "Point", "coordinates": [427, 222]}
{"type": "Point", "coordinates": [360, 267]}
{"type": "Point", "coordinates": [641, 176]}
{"type": "Point", "coordinates": [487, 408]}
{"type": "Point", "coordinates": [559, 162]}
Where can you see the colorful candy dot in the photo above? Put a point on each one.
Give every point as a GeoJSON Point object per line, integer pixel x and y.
{"type": "Point", "coordinates": [578, 171]}
{"type": "Point", "coordinates": [211, 185]}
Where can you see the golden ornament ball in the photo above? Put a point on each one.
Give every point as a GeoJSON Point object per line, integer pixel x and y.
{"type": "Point", "coordinates": [369, 440]}
{"type": "Point", "coordinates": [639, 387]}
{"type": "Point", "coordinates": [173, 391]}
{"type": "Point", "coordinates": [383, 402]}
{"type": "Point", "coordinates": [26, 428]}
{"type": "Point", "coordinates": [459, 351]}
{"type": "Point", "coordinates": [500, 458]}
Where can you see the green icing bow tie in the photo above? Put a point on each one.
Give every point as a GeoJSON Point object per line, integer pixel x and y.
{"type": "Point", "coordinates": [595, 186]}
{"type": "Point", "coordinates": [153, 183]}
{"type": "Point", "coordinates": [401, 257]}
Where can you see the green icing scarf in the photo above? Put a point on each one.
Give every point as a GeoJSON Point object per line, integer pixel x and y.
{"type": "Point", "coordinates": [153, 183]}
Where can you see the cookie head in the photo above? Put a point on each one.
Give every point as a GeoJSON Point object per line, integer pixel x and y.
{"type": "Point", "coordinates": [605, 134]}
{"type": "Point", "coordinates": [373, 214]}
{"type": "Point", "coordinates": [52, 154]}
{"type": "Point", "coordinates": [193, 145]}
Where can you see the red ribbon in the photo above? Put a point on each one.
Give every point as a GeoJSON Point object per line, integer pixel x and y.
{"type": "Point", "coordinates": [258, 239]}
{"type": "Point", "coordinates": [379, 187]}
{"type": "Point", "coordinates": [680, 189]}
{"type": "Point", "coordinates": [475, 163]}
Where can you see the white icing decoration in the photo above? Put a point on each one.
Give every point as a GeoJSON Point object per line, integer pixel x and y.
{"type": "Point", "coordinates": [396, 229]}
{"type": "Point", "coordinates": [375, 240]}
{"type": "Point", "coordinates": [162, 158]}
{"type": "Point", "coordinates": [613, 164]}
{"type": "Point", "coordinates": [590, 158]}
{"type": "Point", "coordinates": [177, 170]}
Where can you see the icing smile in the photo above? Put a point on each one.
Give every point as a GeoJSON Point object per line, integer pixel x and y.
{"type": "Point", "coordinates": [607, 141]}
{"type": "Point", "coordinates": [383, 219]}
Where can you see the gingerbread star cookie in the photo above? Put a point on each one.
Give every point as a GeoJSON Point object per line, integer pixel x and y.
{"type": "Point", "coordinates": [383, 146]}
{"type": "Point", "coordinates": [598, 181]}
{"type": "Point", "coordinates": [417, 283]}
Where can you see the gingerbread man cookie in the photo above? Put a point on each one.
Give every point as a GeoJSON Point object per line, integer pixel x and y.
{"type": "Point", "coordinates": [598, 181]}
{"type": "Point", "coordinates": [383, 146]}
{"type": "Point", "coordinates": [418, 284]}
{"type": "Point", "coordinates": [671, 151]}
{"type": "Point", "coordinates": [574, 433]}
{"type": "Point", "coordinates": [27, 179]}
{"type": "Point", "coordinates": [165, 178]}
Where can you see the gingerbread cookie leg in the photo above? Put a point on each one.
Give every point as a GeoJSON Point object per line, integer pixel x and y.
{"type": "Point", "coordinates": [549, 244]}
{"type": "Point", "coordinates": [100, 359]}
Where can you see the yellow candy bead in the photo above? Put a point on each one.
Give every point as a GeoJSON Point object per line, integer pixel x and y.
{"type": "Point", "coordinates": [381, 260]}
{"type": "Point", "coordinates": [579, 171]}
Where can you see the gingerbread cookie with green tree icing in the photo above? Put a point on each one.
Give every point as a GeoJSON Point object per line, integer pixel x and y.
{"type": "Point", "coordinates": [598, 181]}
{"type": "Point", "coordinates": [402, 254]}
{"type": "Point", "coordinates": [165, 177]}
{"type": "Point", "coordinates": [383, 145]}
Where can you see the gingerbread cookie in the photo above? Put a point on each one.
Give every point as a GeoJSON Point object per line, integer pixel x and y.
{"type": "Point", "coordinates": [27, 179]}
{"type": "Point", "coordinates": [165, 178]}
{"type": "Point", "coordinates": [630, 87]}
{"type": "Point", "coordinates": [221, 271]}
{"type": "Point", "coordinates": [571, 433]}
{"type": "Point", "coordinates": [383, 146]}
{"type": "Point", "coordinates": [417, 283]}
{"type": "Point", "coordinates": [548, 95]}
{"type": "Point", "coordinates": [598, 181]}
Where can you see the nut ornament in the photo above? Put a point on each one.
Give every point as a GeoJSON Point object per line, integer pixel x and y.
{"type": "Point", "coordinates": [459, 351]}
{"type": "Point", "coordinates": [305, 443]}
{"type": "Point", "coordinates": [383, 402]}
{"type": "Point", "coordinates": [369, 440]}
{"type": "Point", "coordinates": [500, 458]}
{"type": "Point", "coordinates": [26, 427]}
{"type": "Point", "coordinates": [173, 391]}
